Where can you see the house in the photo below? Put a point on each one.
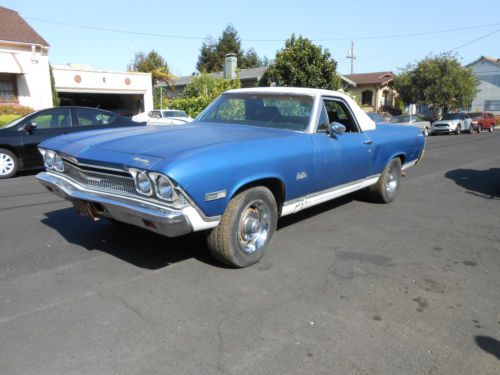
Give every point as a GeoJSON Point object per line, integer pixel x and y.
{"type": "Point", "coordinates": [24, 63]}
{"type": "Point", "coordinates": [248, 77]}
{"type": "Point", "coordinates": [487, 70]}
{"type": "Point", "coordinates": [374, 89]}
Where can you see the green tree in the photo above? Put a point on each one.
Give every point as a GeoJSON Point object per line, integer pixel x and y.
{"type": "Point", "coordinates": [55, 96]}
{"type": "Point", "coordinates": [151, 63]}
{"type": "Point", "coordinates": [440, 82]}
{"type": "Point", "coordinates": [212, 52]}
{"type": "Point", "coordinates": [200, 93]}
{"type": "Point", "coordinates": [302, 64]}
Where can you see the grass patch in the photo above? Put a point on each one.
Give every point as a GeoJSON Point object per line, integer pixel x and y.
{"type": "Point", "coordinates": [4, 119]}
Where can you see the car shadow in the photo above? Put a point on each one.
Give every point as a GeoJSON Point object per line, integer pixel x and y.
{"type": "Point", "coordinates": [482, 183]}
{"type": "Point", "coordinates": [131, 244]}
{"type": "Point", "coordinates": [489, 344]}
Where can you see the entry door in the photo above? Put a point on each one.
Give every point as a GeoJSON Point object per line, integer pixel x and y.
{"type": "Point", "coordinates": [340, 158]}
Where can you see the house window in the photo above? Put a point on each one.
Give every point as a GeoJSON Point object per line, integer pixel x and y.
{"type": "Point", "coordinates": [8, 90]}
{"type": "Point", "coordinates": [367, 97]}
{"type": "Point", "coordinates": [492, 105]}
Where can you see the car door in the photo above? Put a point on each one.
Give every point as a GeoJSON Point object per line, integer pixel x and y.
{"type": "Point", "coordinates": [92, 119]}
{"type": "Point", "coordinates": [44, 125]}
{"type": "Point", "coordinates": [340, 159]}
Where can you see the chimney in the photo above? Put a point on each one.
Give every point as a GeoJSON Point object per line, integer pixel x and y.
{"type": "Point", "coordinates": [230, 66]}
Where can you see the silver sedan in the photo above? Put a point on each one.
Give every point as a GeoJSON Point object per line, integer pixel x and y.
{"type": "Point", "coordinates": [413, 120]}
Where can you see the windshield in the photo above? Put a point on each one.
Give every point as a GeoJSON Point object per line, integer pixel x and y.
{"type": "Point", "coordinates": [15, 122]}
{"type": "Point", "coordinates": [452, 116]}
{"type": "Point", "coordinates": [290, 112]}
{"type": "Point", "coordinates": [475, 114]}
{"type": "Point", "coordinates": [174, 114]}
{"type": "Point", "coordinates": [400, 119]}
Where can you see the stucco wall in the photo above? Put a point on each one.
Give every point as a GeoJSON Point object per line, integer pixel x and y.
{"type": "Point", "coordinates": [33, 85]}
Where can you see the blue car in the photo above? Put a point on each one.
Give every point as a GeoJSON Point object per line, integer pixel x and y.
{"type": "Point", "coordinates": [250, 157]}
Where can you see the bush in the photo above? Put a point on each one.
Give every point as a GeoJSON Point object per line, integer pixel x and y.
{"type": "Point", "coordinates": [192, 106]}
{"type": "Point", "coordinates": [10, 109]}
{"type": "Point", "coordinates": [4, 119]}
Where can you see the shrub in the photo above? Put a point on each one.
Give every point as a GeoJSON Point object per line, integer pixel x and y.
{"type": "Point", "coordinates": [13, 109]}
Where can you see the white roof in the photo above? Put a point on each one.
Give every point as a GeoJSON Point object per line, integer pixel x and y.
{"type": "Point", "coordinates": [365, 122]}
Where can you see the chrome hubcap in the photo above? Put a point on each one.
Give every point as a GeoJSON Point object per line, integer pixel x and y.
{"type": "Point", "coordinates": [254, 225]}
{"type": "Point", "coordinates": [391, 182]}
{"type": "Point", "coordinates": [6, 164]}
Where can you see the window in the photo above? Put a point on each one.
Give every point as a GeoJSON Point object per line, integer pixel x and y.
{"type": "Point", "coordinates": [492, 105]}
{"type": "Point", "coordinates": [337, 112]}
{"type": "Point", "coordinates": [8, 89]}
{"type": "Point", "coordinates": [154, 114]}
{"type": "Point", "coordinates": [52, 119]}
{"type": "Point", "coordinates": [367, 97]}
{"type": "Point", "coordinates": [90, 117]}
{"type": "Point", "coordinates": [291, 112]}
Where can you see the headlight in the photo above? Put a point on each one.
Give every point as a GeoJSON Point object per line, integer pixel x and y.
{"type": "Point", "coordinates": [49, 159]}
{"type": "Point", "coordinates": [142, 182]}
{"type": "Point", "coordinates": [58, 163]}
{"type": "Point", "coordinates": [164, 187]}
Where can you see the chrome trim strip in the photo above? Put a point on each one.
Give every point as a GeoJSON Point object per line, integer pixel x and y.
{"type": "Point", "coordinates": [72, 161]}
{"type": "Point", "coordinates": [215, 195]}
{"type": "Point", "coordinates": [409, 164]}
{"type": "Point", "coordinates": [298, 204]}
{"type": "Point", "coordinates": [78, 166]}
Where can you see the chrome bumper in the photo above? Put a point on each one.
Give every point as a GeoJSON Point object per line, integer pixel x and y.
{"type": "Point", "coordinates": [163, 220]}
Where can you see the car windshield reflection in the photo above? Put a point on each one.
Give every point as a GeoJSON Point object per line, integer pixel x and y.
{"type": "Point", "coordinates": [291, 112]}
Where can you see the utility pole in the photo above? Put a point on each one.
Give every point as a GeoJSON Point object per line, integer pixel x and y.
{"type": "Point", "coordinates": [350, 55]}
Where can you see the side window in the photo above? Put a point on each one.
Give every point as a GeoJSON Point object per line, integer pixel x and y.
{"type": "Point", "coordinates": [337, 112]}
{"type": "Point", "coordinates": [90, 117]}
{"type": "Point", "coordinates": [154, 114]}
{"type": "Point", "coordinates": [53, 119]}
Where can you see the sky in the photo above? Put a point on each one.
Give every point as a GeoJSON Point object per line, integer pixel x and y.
{"type": "Point", "coordinates": [387, 35]}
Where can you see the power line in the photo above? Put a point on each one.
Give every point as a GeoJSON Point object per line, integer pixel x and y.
{"type": "Point", "coordinates": [475, 40]}
{"type": "Point", "coordinates": [175, 36]}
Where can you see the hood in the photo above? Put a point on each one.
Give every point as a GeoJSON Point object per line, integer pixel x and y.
{"type": "Point", "coordinates": [444, 122]}
{"type": "Point", "coordinates": [155, 143]}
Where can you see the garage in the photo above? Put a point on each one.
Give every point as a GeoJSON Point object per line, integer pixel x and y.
{"type": "Point", "coordinates": [126, 93]}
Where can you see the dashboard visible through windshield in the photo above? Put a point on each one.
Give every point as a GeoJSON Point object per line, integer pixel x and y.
{"type": "Point", "coordinates": [291, 112]}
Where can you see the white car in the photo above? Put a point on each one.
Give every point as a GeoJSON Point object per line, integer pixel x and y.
{"type": "Point", "coordinates": [453, 123]}
{"type": "Point", "coordinates": [163, 117]}
{"type": "Point", "coordinates": [413, 120]}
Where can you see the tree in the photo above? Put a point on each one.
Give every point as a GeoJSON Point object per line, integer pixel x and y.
{"type": "Point", "coordinates": [151, 63]}
{"type": "Point", "coordinates": [213, 53]}
{"type": "Point", "coordinates": [440, 82]}
{"type": "Point", "coordinates": [302, 64]}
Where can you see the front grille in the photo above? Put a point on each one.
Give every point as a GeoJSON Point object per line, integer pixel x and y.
{"type": "Point", "coordinates": [441, 125]}
{"type": "Point", "coordinates": [105, 181]}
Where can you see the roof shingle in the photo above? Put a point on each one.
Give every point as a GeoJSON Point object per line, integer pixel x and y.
{"type": "Point", "coordinates": [13, 28]}
{"type": "Point", "coordinates": [371, 78]}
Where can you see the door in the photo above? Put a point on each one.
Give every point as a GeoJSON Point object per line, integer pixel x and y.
{"type": "Point", "coordinates": [48, 123]}
{"type": "Point", "coordinates": [91, 119]}
{"type": "Point", "coordinates": [339, 158]}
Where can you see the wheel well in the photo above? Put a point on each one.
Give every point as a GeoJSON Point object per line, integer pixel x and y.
{"type": "Point", "coordinates": [10, 148]}
{"type": "Point", "coordinates": [274, 184]}
{"type": "Point", "coordinates": [402, 157]}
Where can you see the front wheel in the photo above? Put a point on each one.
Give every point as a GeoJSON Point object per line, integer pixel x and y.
{"type": "Point", "coordinates": [471, 129]}
{"type": "Point", "coordinates": [245, 229]}
{"type": "Point", "coordinates": [490, 129]}
{"type": "Point", "coordinates": [458, 130]}
{"type": "Point", "coordinates": [387, 186]}
{"type": "Point", "coordinates": [9, 163]}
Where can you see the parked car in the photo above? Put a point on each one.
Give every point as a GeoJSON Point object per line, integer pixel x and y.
{"type": "Point", "coordinates": [251, 156]}
{"type": "Point", "coordinates": [386, 115]}
{"type": "Point", "coordinates": [19, 139]}
{"type": "Point", "coordinates": [453, 123]}
{"type": "Point", "coordinates": [483, 120]}
{"type": "Point", "coordinates": [414, 120]}
{"type": "Point", "coordinates": [376, 117]}
{"type": "Point", "coordinates": [163, 117]}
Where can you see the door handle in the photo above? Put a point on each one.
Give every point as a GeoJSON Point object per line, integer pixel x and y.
{"type": "Point", "coordinates": [368, 142]}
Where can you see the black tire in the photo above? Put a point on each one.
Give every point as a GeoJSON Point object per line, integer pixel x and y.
{"type": "Point", "coordinates": [471, 129]}
{"type": "Point", "coordinates": [9, 163]}
{"type": "Point", "coordinates": [235, 241]}
{"type": "Point", "coordinates": [458, 130]}
{"type": "Point", "coordinates": [490, 129]}
{"type": "Point", "coordinates": [480, 129]}
{"type": "Point", "coordinates": [387, 186]}
{"type": "Point", "coordinates": [426, 132]}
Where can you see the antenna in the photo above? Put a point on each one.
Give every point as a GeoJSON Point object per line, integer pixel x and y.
{"type": "Point", "coordinates": [350, 55]}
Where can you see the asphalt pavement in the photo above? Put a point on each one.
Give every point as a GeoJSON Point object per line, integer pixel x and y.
{"type": "Point", "coordinates": [349, 287]}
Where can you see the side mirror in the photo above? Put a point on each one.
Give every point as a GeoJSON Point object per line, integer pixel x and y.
{"type": "Point", "coordinates": [30, 126]}
{"type": "Point", "coordinates": [337, 128]}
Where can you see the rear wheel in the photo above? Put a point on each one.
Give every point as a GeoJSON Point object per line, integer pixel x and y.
{"type": "Point", "coordinates": [387, 186]}
{"type": "Point", "coordinates": [246, 228]}
{"type": "Point", "coordinates": [471, 129]}
{"type": "Point", "coordinates": [9, 163]}
{"type": "Point", "coordinates": [490, 129]}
